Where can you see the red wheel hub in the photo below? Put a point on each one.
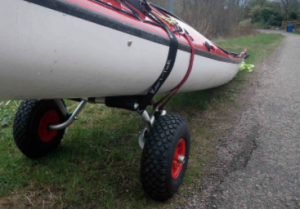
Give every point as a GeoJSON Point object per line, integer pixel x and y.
{"type": "Point", "coordinates": [179, 158]}
{"type": "Point", "coordinates": [49, 118]}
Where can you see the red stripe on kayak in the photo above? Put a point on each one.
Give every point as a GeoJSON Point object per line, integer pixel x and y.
{"type": "Point", "coordinates": [198, 39]}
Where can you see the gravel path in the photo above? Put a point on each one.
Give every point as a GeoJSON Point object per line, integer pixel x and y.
{"type": "Point", "coordinates": [271, 179]}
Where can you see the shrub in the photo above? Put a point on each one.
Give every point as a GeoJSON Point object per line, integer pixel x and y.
{"type": "Point", "coordinates": [294, 16]}
{"type": "Point", "coordinates": [255, 13]}
{"type": "Point", "coordinates": [264, 17]}
{"type": "Point", "coordinates": [276, 20]}
{"type": "Point", "coordinates": [266, 13]}
{"type": "Point", "coordinates": [262, 25]}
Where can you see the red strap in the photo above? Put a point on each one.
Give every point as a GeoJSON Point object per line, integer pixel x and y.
{"type": "Point", "coordinates": [176, 89]}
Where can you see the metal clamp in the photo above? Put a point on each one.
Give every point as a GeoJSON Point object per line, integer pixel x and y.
{"type": "Point", "coordinates": [179, 24]}
{"type": "Point", "coordinates": [149, 122]}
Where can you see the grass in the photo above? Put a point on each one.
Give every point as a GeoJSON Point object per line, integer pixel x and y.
{"type": "Point", "coordinates": [97, 165]}
{"type": "Point", "coordinates": [296, 32]}
{"type": "Point", "coordinates": [259, 47]}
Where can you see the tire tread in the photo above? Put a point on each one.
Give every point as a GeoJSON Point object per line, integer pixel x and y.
{"type": "Point", "coordinates": [22, 130]}
{"type": "Point", "coordinates": [154, 163]}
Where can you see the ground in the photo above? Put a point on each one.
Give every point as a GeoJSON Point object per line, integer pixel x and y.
{"type": "Point", "coordinates": [264, 170]}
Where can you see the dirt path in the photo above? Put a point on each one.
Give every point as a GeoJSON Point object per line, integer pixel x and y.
{"type": "Point", "coordinates": [270, 178]}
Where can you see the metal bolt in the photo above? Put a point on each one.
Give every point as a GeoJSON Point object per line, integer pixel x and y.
{"type": "Point", "coordinates": [163, 112]}
{"type": "Point", "coordinates": [136, 105]}
{"type": "Point", "coordinates": [181, 159]}
{"type": "Point", "coordinates": [129, 42]}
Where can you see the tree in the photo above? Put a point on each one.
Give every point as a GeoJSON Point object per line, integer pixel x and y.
{"type": "Point", "coordinates": [288, 6]}
{"type": "Point", "coordinates": [275, 6]}
{"type": "Point", "coordinates": [238, 5]}
{"type": "Point", "coordinates": [265, 16]}
{"type": "Point", "coordinates": [294, 16]}
{"type": "Point", "coordinates": [255, 13]}
{"type": "Point", "coordinates": [212, 18]}
{"type": "Point", "coordinates": [242, 7]}
{"type": "Point", "coordinates": [260, 3]}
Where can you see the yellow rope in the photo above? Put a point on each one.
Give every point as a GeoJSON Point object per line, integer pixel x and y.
{"type": "Point", "coordinates": [170, 20]}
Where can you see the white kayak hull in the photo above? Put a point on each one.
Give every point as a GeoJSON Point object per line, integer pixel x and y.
{"type": "Point", "coordinates": [46, 54]}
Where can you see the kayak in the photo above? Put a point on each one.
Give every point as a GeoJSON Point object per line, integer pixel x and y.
{"type": "Point", "coordinates": [117, 52]}
{"type": "Point", "coordinates": [84, 48]}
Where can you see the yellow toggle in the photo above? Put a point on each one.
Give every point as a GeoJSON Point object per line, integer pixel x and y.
{"type": "Point", "coordinates": [170, 20]}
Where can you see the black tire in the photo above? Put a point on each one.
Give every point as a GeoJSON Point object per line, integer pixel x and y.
{"type": "Point", "coordinates": [158, 154]}
{"type": "Point", "coordinates": [27, 129]}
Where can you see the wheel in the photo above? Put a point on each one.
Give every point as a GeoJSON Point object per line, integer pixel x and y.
{"type": "Point", "coordinates": [30, 130]}
{"type": "Point", "coordinates": [165, 157]}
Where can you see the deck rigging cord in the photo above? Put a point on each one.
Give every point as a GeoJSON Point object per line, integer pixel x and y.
{"type": "Point", "coordinates": [162, 102]}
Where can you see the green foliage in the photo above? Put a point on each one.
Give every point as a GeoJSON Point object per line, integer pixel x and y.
{"type": "Point", "coordinates": [6, 118]}
{"type": "Point", "coordinates": [276, 19]}
{"type": "Point", "coordinates": [294, 16]}
{"type": "Point", "coordinates": [263, 17]}
{"type": "Point", "coordinates": [275, 6]}
{"type": "Point", "coordinates": [265, 14]}
{"type": "Point", "coordinates": [261, 25]}
{"type": "Point", "coordinates": [259, 47]}
{"type": "Point", "coordinates": [247, 67]}
{"type": "Point", "coordinates": [255, 13]}
{"type": "Point", "coordinates": [7, 109]}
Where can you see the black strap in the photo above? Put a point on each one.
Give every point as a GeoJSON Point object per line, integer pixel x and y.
{"type": "Point", "coordinates": [167, 69]}
{"type": "Point", "coordinates": [131, 9]}
{"type": "Point", "coordinates": [141, 5]}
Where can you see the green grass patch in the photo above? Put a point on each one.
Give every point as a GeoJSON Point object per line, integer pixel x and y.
{"type": "Point", "coordinates": [295, 32]}
{"type": "Point", "coordinates": [259, 47]}
{"type": "Point", "coordinates": [97, 165]}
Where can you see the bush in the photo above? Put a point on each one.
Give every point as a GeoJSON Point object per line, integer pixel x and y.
{"type": "Point", "coordinates": [262, 25]}
{"type": "Point", "coordinates": [264, 17]}
{"type": "Point", "coordinates": [294, 16]}
{"type": "Point", "coordinates": [276, 20]}
{"type": "Point", "coordinates": [265, 14]}
{"type": "Point", "coordinates": [255, 13]}
{"type": "Point", "coordinates": [242, 30]}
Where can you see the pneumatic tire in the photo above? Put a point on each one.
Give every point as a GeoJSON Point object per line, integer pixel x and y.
{"type": "Point", "coordinates": [30, 130]}
{"type": "Point", "coordinates": [161, 172]}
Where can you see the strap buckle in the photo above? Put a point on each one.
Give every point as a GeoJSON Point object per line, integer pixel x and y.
{"type": "Point", "coordinates": [181, 28]}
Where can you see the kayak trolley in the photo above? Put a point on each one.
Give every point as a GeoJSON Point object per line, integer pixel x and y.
{"type": "Point", "coordinates": [39, 127]}
{"type": "Point", "coordinates": [40, 124]}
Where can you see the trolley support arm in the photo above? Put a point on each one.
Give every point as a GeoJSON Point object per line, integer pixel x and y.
{"type": "Point", "coordinates": [71, 119]}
